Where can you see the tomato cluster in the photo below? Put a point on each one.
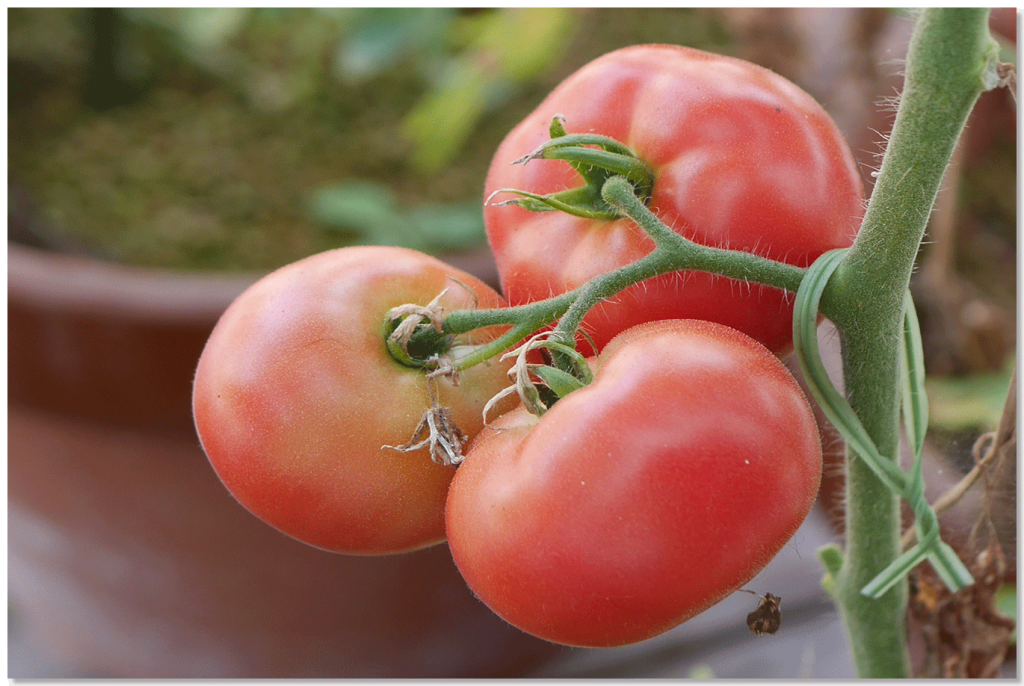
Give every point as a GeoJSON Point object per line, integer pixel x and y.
{"type": "Point", "coordinates": [634, 502]}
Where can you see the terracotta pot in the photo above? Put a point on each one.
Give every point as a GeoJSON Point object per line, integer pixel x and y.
{"type": "Point", "coordinates": [128, 558]}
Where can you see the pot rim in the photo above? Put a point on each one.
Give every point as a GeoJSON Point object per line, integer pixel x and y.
{"type": "Point", "coordinates": [57, 281]}
{"type": "Point", "coordinates": [72, 283]}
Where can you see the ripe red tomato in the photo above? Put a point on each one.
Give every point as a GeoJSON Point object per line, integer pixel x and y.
{"type": "Point", "coordinates": [296, 392]}
{"type": "Point", "coordinates": [742, 158]}
{"type": "Point", "coordinates": [641, 500]}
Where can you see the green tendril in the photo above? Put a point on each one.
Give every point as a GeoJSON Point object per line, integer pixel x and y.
{"type": "Point", "coordinates": [915, 412]}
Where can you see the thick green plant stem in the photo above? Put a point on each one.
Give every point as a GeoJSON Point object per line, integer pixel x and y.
{"type": "Point", "coordinates": [951, 60]}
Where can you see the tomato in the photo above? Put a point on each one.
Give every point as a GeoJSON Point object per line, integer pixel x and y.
{"type": "Point", "coordinates": [296, 392]}
{"type": "Point", "coordinates": [742, 158]}
{"type": "Point", "coordinates": [642, 499]}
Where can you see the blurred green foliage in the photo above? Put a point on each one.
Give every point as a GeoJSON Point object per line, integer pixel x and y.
{"type": "Point", "coordinates": [975, 401]}
{"type": "Point", "coordinates": [1006, 602]}
{"type": "Point", "coordinates": [502, 49]}
{"type": "Point", "coordinates": [250, 137]}
{"type": "Point", "coordinates": [469, 63]}
{"type": "Point", "coordinates": [370, 214]}
{"type": "Point", "coordinates": [701, 671]}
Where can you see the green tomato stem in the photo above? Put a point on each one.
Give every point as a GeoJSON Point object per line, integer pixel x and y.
{"type": "Point", "coordinates": [951, 60]}
{"type": "Point", "coordinates": [682, 253]}
{"type": "Point", "coordinates": [672, 252]}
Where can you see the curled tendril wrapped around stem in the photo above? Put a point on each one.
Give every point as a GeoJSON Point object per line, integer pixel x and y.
{"type": "Point", "coordinates": [915, 412]}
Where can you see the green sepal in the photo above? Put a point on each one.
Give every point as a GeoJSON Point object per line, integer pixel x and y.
{"type": "Point", "coordinates": [399, 354]}
{"type": "Point", "coordinates": [575, 201]}
{"type": "Point", "coordinates": [596, 158]}
{"type": "Point", "coordinates": [561, 383]}
{"type": "Point", "coordinates": [572, 360]}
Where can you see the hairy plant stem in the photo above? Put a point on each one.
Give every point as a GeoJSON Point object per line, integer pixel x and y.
{"type": "Point", "coordinates": [951, 60]}
{"type": "Point", "coordinates": [672, 252]}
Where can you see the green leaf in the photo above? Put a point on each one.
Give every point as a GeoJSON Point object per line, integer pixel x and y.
{"type": "Point", "coordinates": [526, 40]}
{"type": "Point", "coordinates": [212, 27]}
{"type": "Point", "coordinates": [369, 213]}
{"type": "Point", "coordinates": [512, 46]}
{"type": "Point", "coordinates": [831, 557]}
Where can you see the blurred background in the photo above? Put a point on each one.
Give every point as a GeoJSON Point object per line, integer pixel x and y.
{"type": "Point", "coordinates": [161, 159]}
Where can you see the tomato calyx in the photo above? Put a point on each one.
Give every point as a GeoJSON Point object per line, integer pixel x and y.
{"type": "Point", "coordinates": [552, 383]}
{"type": "Point", "coordinates": [594, 157]}
{"type": "Point", "coordinates": [414, 334]}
